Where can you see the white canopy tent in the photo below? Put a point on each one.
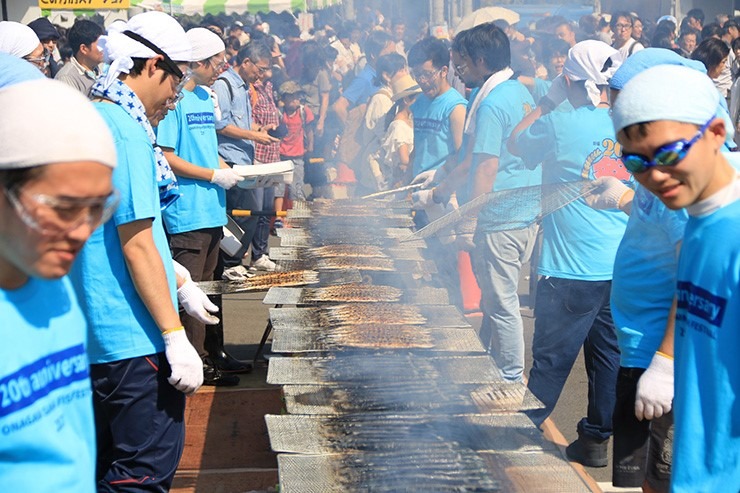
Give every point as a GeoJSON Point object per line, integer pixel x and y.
{"type": "Point", "coordinates": [202, 7]}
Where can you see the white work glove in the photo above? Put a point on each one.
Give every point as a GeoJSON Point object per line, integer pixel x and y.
{"type": "Point", "coordinates": [192, 298]}
{"type": "Point", "coordinates": [655, 389]}
{"type": "Point", "coordinates": [196, 302]}
{"type": "Point", "coordinates": [422, 199]}
{"type": "Point", "coordinates": [430, 177]}
{"type": "Point", "coordinates": [186, 365]}
{"type": "Point", "coordinates": [225, 178]}
{"type": "Point", "coordinates": [606, 192]}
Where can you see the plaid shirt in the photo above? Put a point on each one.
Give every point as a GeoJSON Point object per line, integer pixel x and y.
{"type": "Point", "coordinates": [266, 112]}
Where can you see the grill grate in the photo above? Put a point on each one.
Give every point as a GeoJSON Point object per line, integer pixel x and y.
{"type": "Point", "coordinates": [406, 369]}
{"type": "Point", "coordinates": [438, 397]}
{"type": "Point", "coordinates": [376, 338]}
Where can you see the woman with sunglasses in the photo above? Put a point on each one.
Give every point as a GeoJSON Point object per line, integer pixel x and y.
{"type": "Point", "coordinates": [674, 151]}
{"type": "Point", "coordinates": [53, 193]}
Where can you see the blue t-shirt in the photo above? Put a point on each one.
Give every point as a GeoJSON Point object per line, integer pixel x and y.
{"type": "Point", "coordinates": [645, 277]}
{"type": "Point", "coordinates": [47, 427]}
{"type": "Point", "coordinates": [361, 88]}
{"type": "Point", "coordinates": [190, 131]}
{"type": "Point", "coordinates": [498, 114]}
{"type": "Point", "coordinates": [433, 139]}
{"type": "Point", "coordinates": [578, 242]}
{"type": "Point", "coordinates": [120, 326]}
{"type": "Point", "coordinates": [236, 109]}
{"type": "Point", "coordinates": [706, 449]}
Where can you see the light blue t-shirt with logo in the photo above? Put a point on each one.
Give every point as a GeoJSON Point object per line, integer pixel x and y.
{"type": "Point", "coordinates": [47, 427]}
{"type": "Point", "coordinates": [578, 242]}
{"type": "Point", "coordinates": [191, 132]}
{"type": "Point", "coordinates": [502, 109]}
{"type": "Point", "coordinates": [433, 139]}
{"type": "Point", "coordinates": [120, 326]}
{"type": "Point", "coordinates": [706, 449]}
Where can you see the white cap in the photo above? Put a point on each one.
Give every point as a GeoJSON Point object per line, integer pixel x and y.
{"type": "Point", "coordinates": [688, 97]}
{"type": "Point", "coordinates": [17, 39]}
{"type": "Point", "coordinates": [205, 43]}
{"type": "Point", "coordinates": [29, 106]}
{"type": "Point", "coordinates": [157, 28]}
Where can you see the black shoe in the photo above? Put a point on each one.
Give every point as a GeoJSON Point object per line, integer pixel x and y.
{"type": "Point", "coordinates": [228, 364]}
{"type": "Point", "coordinates": [213, 376]}
{"type": "Point", "coordinates": [588, 451]}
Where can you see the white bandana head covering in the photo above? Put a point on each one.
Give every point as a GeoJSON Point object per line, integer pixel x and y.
{"type": "Point", "coordinates": [158, 28]}
{"type": "Point", "coordinates": [666, 92]}
{"type": "Point", "coordinates": [586, 61]}
{"type": "Point", "coordinates": [17, 39]}
{"type": "Point", "coordinates": [205, 43]}
{"type": "Point", "coordinates": [28, 106]}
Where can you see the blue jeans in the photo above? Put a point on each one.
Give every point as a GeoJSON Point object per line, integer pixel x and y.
{"type": "Point", "coordinates": [262, 232]}
{"type": "Point", "coordinates": [570, 314]}
{"type": "Point", "coordinates": [497, 263]}
{"type": "Point", "coordinates": [256, 228]}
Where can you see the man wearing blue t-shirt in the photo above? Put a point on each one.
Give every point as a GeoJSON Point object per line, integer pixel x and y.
{"type": "Point", "coordinates": [236, 133]}
{"type": "Point", "coordinates": [481, 56]}
{"type": "Point", "coordinates": [142, 364]}
{"type": "Point", "coordinates": [578, 249]}
{"type": "Point", "coordinates": [194, 222]}
{"type": "Point", "coordinates": [674, 152]}
{"type": "Point", "coordinates": [439, 115]}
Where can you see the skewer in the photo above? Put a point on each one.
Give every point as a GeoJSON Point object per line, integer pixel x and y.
{"type": "Point", "coordinates": [391, 192]}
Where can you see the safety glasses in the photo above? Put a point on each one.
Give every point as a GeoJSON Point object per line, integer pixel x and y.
{"type": "Point", "coordinates": [52, 215]}
{"type": "Point", "coordinates": [666, 155]}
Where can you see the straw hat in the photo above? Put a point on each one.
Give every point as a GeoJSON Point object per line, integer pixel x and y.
{"type": "Point", "coordinates": [404, 86]}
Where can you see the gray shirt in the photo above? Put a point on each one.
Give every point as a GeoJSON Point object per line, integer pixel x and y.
{"type": "Point", "coordinates": [77, 76]}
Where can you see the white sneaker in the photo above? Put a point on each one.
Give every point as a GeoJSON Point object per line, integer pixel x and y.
{"type": "Point", "coordinates": [238, 273]}
{"type": "Point", "coordinates": [263, 263]}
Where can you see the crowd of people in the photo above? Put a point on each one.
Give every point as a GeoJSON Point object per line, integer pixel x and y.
{"type": "Point", "coordinates": [108, 222]}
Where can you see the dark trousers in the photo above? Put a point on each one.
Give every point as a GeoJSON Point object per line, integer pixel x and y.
{"type": "Point", "coordinates": [262, 232]}
{"type": "Point", "coordinates": [643, 450]}
{"type": "Point", "coordinates": [198, 252]}
{"type": "Point", "coordinates": [256, 228]}
{"type": "Point", "coordinates": [139, 420]}
{"type": "Point", "coordinates": [571, 314]}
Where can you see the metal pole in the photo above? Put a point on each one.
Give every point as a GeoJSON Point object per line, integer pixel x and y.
{"type": "Point", "coordinates": [349, 9]}
{"type": "Point", "coordinates": [438, 13]}
{"type": "Point", "coordinates": [467, 7]}
{"type": "Point", "coordinates": [5, 10]}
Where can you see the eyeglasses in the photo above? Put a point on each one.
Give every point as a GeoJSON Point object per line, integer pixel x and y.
{"type": "Point", "coordinates": [666, 155]}
{"type": "Point", "coordinates": [425, 76]}
{"type": "Point", "coordinates": [40, 61]}
{"type": "Point", "coordinates": [461, 69]}
{"type": "Point", "coordinates": [623, 26]}
{"type": "Point", "coordinates": [51, 215]}
{"type": "Point", "coordinates": [179, 94]}
{"type": "Point", "coordinates": [220, 65]}
{"type": "Point", "coordinates": [262, 70]}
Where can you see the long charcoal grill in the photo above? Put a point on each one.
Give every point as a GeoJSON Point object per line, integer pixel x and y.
{"type": "Point", "coordinates": [388, 386]}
